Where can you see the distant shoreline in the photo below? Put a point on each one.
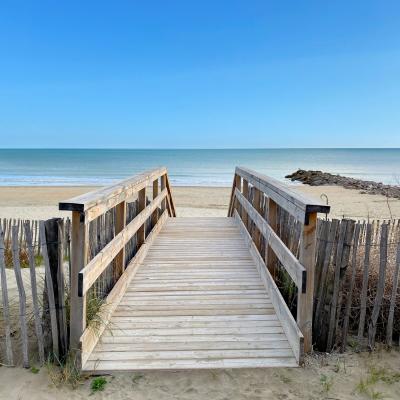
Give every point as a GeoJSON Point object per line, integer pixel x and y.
{"type": "Point", "coordinates": [41, 202]}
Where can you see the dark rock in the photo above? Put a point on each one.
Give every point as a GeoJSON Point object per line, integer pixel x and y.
{"type": "Point", "coordinates": [319, 178]}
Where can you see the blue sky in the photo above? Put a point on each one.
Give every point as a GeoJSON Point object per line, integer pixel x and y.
{"type": "Point", "coordinates": [201, 74]}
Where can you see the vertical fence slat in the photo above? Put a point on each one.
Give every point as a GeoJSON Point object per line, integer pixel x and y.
{"type": "Point", "coordinates": [389, 329]}
{"type": "Point", "coordinates": [6, 306]}
{"type": "Point", "coordinates": [351, 287]}
{"type": "Point", "coordinates": [22, 296]}
{"type": "Point", "coordinates": [336, 283]}
{"type": "Point", "coordinates": [324, 273]}
{"type": "Point", "coordinates": [50, 289]}
{"type": "Point", "coordinates": [62, 314]}
{"type": "Point", "coordinates": [381, 286]}
{"type": "Point", "coordinates": [35, 300]}
{"type": "Point", "coordinates": [363, 298]}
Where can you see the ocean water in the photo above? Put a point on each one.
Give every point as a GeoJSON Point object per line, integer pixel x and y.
{"type": "Point", "coordinates": [46, 167]}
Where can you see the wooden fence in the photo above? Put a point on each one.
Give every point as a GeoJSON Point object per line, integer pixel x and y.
{"type": "Point", "coordinates": [356, 288]}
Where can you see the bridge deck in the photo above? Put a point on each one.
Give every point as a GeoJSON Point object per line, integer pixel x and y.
{"type": "Point", "coordinates": [197, 301]}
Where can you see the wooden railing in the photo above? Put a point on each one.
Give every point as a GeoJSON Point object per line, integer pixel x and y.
{"type": "Point", "coordinates": [84, 273]}
{"type": "Point", "coordinates": [260, 212]}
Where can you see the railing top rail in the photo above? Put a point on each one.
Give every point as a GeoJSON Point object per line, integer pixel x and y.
{"type": "Point", "coordinates": [110, 196]}
{"type": "Point", "coordinates": [297, 204]}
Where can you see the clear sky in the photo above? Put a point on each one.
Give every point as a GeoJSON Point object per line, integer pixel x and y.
{"type": "Point", "coordinates": [205, 74]}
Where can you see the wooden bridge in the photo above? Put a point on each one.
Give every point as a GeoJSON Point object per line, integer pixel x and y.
{"type": "Point", "coordinates": [198, 292]}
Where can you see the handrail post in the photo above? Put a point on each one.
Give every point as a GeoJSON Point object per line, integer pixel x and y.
{"type": "Point", "coordinates": [120, 222]}
{"type": "Point", "coordinates": [141, 233]}
{"type": "Point", "coordinates": [238, 185]}
{"type": "Point", "coordinates": [305, 300]}
{"type": "Point", "coordinates": [257, 205]}
{"type": "Point", "coordinates": [272, 221]}
{"type": "Point", "coordinates": [163, 186]}
{"type": "Point", "coordinates": [79, 256]}
{"type": "Point", "coordinates": [154, 217]}
{"type": "Point", "coordinates": [245, 185]}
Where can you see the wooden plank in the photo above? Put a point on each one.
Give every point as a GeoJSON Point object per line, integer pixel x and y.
{"type": "Point", "coordinates": [5, 302]}
{"type": "Point", "coordinates": [305, 301]}
{"type": "Point", "coordinates": [191, 354]}
{"type": "Point", "coordinates": [351, 287]}
{"type": "Point", "coordinates": [294, 335]}
{"type": "Point", "coordinates": [90, 336]}
{"type": "Point", "coordinates": [245, 194]}
{"type": "Point", "coordinates": [154, 216]}
{"type": "Point", "coordinates": [270, 341]}
{"type": "Point", "coordinates": [324, 273]}
{"type": "Point", "coordinates": [141, 232]}
{"type": "Point", "coordinates": [336, 283]}
{"type": "Point", "coordinates": [380, 286]}
{"type": "Point", "coordinates": [257, 206]}
{"type": "Point", "coordinates": [50, 290]}
{"type": "Point", "coordinates": [293, 266]}
{"type": "Point", "coordinates": [130, 365]}
{"type": "Point", "coordinates": [270, 253]}
{"type": "Point", "coordinates": [296, 204]}
{"type": "Point", "coordinates": [35, 300]}
{"type": "Point", "coordinates": [22, 297]}
{"type": "Point", "coordinates": [79, 256]}
{"type": "Point", "coordinates": [243, 319]}
{"type": "Point", "coordinates": [232, 197]}
{"type": "Point", "coordinates": [99, 201]}
{"type": "Point", "coordinates": [163, 185]}
{"type": "Point", "coordinates": [363, 296]}
{"type": "Point", "coordinates": [389, 328]}
{"type": "Point", "coordinates": [170, 197]}
{"type": "Point", "coordinates": [61, 306]}
{"type": "Point", "coordinates": [120, 222]}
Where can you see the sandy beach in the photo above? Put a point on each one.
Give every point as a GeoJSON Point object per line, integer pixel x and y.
{"type": "Point", "coordinates": [42, 202]}
{"type": "Point", "coordinates": [324, 377]}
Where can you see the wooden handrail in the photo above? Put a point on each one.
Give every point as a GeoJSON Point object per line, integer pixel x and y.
{"type": "Point", "coordinates": [99, 201]}
{"type": "Point", "coordinates": [292, 265]}
{"type": "Point", "coordinates": [274, 195]}
{"type": "Point", "coordinates": [296, 204]}
{"type": "Point", "coordinates": [89, 274]}
{"type": "Point", "coordinates": [86, 208]}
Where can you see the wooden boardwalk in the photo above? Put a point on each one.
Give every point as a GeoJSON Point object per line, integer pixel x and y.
{"type": "Point", "coordinates": [195, 292]}
{"type": "Point", "coordinates": [196, 301]}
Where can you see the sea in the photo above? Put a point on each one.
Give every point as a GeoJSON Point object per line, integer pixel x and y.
{"type": "Point", "coordinates": [188, 167]}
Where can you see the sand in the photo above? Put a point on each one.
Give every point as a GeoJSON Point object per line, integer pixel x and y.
{"type": "Point", "coordinates": [41, 202]}
{"type": "Point", "coordinates": [324, 377]}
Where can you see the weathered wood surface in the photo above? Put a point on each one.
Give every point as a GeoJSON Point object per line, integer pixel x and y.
{"type": "Point", "coordinates": [89, 274]}
{"type": "Point", "coordinates": [50, 290]}
{"type": "Point", "coordinates": [22, 297]}
{"type": "Point", "coordinates": [296, 204]}
{"type": "Point", "coordinates": [99, 201]}
{"type": "Point", "coordinates": [296, 271]}
{"type": "Point", "coordinates": [196, 301]}
{"type": "Point", "coordinates": [5, 302]}
{"type": "Point", "coordinates": [35, 298]}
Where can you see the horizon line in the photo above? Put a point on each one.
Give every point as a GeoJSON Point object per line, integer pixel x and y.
{"type": "Point", "coordinates": [199, 148]}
